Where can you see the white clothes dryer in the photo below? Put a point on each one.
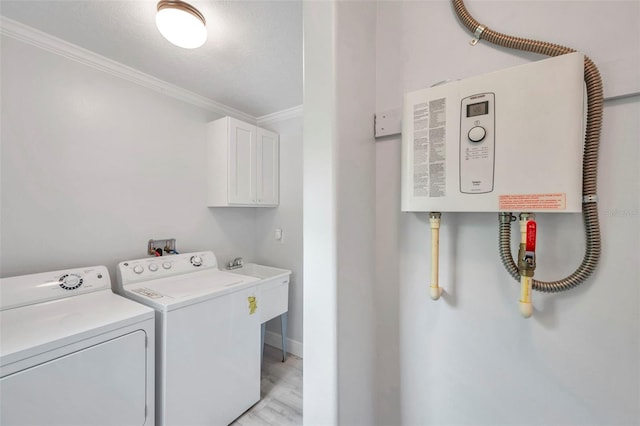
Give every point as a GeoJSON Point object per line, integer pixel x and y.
{"type": "Point", "coordinates": [207, 336]}
{"type": "Point", "coordinates": [74, 353]}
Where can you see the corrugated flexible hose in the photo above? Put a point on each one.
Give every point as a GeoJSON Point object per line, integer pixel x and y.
{"type": "Point", "coordinates": [589, 160]}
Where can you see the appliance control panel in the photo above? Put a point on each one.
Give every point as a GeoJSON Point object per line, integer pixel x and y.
{"type": "Point", "coordinates": [36, 288]}
{"type": "Point", "coordinates": [140, 270]}
{"type": "Point", "coordinates": [477, 143]}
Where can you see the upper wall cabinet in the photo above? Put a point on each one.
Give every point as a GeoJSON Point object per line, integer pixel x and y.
{"type": "Point", "coordinates": [243, 164]}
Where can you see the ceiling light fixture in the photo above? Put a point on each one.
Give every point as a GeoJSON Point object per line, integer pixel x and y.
{"type": "Point", "coordinates": [181, 24]}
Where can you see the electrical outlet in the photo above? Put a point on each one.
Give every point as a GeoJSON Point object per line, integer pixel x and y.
{"type": "Point", "coordinates": [279, 234]}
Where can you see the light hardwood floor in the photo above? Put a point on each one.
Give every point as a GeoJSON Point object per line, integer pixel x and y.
{"type": "Point", "coordinates": [280, 392]}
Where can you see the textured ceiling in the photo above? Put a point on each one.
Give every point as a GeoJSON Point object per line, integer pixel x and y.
{"type": "Point", "coordinates": [252, 60]}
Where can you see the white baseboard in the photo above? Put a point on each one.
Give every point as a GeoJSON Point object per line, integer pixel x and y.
{"type": "Point", "coordinates": [274, 339]}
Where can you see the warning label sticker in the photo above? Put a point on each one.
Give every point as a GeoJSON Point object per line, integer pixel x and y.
{"type": "Point", "coordinates": [429, 154]}
{"type": "Point", "coordinates": [524, 202]}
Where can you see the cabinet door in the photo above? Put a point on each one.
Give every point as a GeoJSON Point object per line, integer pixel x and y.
{"type": "Point", "coordinates": [268, 167]}
{"type": "Point", "coordinates": [242, 162]}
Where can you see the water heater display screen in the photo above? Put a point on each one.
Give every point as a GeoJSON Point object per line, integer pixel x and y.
{"type": "Point", "coordinates": [481, 108]}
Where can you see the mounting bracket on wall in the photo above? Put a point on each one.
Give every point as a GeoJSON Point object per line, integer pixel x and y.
{"type": "Point", "coordinates": [388, 122]}
{"type": "Point", "coordinates": [161, 247]}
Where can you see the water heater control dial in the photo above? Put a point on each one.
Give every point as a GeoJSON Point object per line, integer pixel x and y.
{"type": "Point", "coordinates": [196, 260]}
{"type": "Point", "coordinates": [477, 134]}
{"type": "Point", "coordinates": [70, 281]}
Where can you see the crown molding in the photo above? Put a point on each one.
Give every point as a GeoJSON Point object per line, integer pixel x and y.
{"type": "Point", "coordinates": [42, 40]}
{"type": "Point", "coordinates": [285, 114]}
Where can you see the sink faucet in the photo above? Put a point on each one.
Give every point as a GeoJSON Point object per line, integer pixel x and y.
{"type": "Point", "coordinates": [235, 264]}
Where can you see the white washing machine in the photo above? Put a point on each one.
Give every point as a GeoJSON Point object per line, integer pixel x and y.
{"type": "Point", "coordinates": [74, 353]}
{"type": "Point", "coordinates": [207, 336]}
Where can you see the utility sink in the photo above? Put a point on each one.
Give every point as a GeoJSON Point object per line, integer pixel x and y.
{"type": "Point", "coordinates": [260, 271]}
{"type": "Point", "coordinates": [272, 295]}
{"type": "Point", "coordinates": [273, 289]}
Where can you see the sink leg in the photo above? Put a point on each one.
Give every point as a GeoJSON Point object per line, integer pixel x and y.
{"type": "Point", "coordinates": [263, 329]}
{"type": "Point", "coordinates": [283, 323]}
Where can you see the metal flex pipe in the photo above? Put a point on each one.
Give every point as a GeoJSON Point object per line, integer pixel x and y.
{"type": "Point", "coordinates": [589, 160]}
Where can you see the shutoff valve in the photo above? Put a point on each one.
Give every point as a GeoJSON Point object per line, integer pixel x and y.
{"type": "Point", "coordinates": [527, 261]}
{"type": "Point", "coordinates": [527, 256]}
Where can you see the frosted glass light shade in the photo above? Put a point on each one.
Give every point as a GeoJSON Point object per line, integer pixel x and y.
{"type": "Point", "coordinates": [181, 24]}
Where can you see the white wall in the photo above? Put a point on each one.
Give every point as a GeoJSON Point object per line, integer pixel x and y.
{"type": "Point", "coordinates": [470, 358]}
{"type": "Point", "coordinates": [355, 196]}
{"type": "Point", "coordinates": [320, 384]}
{"type": "Point", "coordinates": [94, 166]}
{"type": "Point", "coordinates": [286, 253]}
{"type": "Point", "coordinates": [339, 171]}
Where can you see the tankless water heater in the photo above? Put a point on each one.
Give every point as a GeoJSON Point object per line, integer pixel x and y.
{"type": "Point", "coordinates": [510, 141]}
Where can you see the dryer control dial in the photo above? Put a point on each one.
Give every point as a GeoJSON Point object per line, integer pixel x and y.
{"type": "Point", "coordinates": [196, 260]}
{"type": "Point", "coordinates": [138, 269]}
{"type": "Point", "coordinates": [70, 281]}
{"type": "Point", "coordinates": [153, 267]}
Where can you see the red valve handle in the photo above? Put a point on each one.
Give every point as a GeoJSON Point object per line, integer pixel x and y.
{"type": "Point", "coordinates": [531, 235]}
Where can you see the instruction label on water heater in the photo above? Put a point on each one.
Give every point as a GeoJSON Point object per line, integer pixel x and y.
{"type": "Point", "coordinates": [429, 148]}
{"type": "Point", "coordinates": [536, 202]}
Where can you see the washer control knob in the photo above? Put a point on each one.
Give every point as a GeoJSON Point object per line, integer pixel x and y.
{"type": "Point", "coordinates": [166, 265]}
{"type": "Point", "coordinates": [196, 260]}
{"type": "Point", "coordinates": [477, 134]}
{"type": "Point", "coordinates": [138, 269]}
{"type": "Point", "coordinates": [70, 281]}
{"type": "Point", "coordinates": [153, 267]}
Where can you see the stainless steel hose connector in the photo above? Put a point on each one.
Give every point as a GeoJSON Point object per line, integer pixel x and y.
{"type": "Point", "coordinates": [587, 267]}
{"type": "Point", "coordinates": [505, 245]}
{"type": "Point", "coordinates": [595, 101]}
